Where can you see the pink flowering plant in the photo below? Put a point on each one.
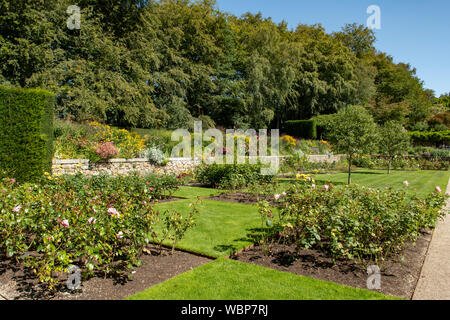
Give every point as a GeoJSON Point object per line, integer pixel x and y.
{"type": "Point", "coordinates": [350, 222]}
{"type": "Point", "coordinates": [101, 224]}
{"type": "Point", "coordinates": [104, 151]}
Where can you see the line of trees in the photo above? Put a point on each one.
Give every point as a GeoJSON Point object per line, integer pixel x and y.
{"type": "Point", "coordinates": [164, 63]}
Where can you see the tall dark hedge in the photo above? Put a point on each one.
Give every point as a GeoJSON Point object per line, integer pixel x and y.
{"type": "Point", "coordinates": [304, 129]}
{"type": "Point", "coordinates": [26, 132]}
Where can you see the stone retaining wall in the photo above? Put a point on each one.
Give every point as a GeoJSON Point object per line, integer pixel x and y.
{"type": "Point", "coordinates": [124, 166]}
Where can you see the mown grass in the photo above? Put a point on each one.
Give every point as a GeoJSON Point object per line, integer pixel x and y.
{"type": "Point", "coordinates": [225, 279]}
{"type": "Point", "coordinates": [420, 182]}
{"type": "Point", "coordinates": [220, 229]}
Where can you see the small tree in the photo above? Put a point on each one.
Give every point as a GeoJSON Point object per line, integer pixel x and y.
{"type": "Point", "coordinates": [353, 133]}
{"type": "Point", "coordinates": [394, 141]}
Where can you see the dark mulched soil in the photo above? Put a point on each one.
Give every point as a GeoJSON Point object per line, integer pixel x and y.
{"type": "Point", "coordinates": [19, 283]}
{"type": "Point", "coordinates": [399, 275]}
{"type": "Point", "coordinates": [167, 199]}
{"type": "Point", "coordinates": [240, 197]}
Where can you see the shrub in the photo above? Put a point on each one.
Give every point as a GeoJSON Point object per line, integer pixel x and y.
{"type": "Point", "coordinates": [128, 143]}
{"type": "Point", "coordinates": [305, 129]}
{"type": "Point", "coordinates": [431, 138]}
{"type": "Point", "coordinates": [100, 224]}
{"type": "Point", "coordinates": [352, 222]}
{"type": "Point", "coordinates": [105, 150]}
{"type": "Point", "coordinates": [156, 156]}
{"type": "Point", "coordinates": [26, 132]}
{"type": "Point", "coordinates": [231, 176]}
{"type": "Point", "coordinates": [323, 124]}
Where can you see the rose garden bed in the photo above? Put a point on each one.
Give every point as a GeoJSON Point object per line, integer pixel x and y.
{"type": "Point", "coordinates": [224, 224]}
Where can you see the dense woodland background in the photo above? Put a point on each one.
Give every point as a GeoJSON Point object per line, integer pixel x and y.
{"type": "Point", "coordinates": [160, 64]}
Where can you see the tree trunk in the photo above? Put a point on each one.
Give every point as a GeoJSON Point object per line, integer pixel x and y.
{"type": "Point", "coordinates": [349, 170]}
{"type": "Point", "coordinates": [389, 166]}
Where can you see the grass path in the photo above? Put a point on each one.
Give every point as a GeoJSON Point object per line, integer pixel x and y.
{"type": "Point", "coordinates": [221, 228]}
{"type": "Point", "coordinates": [225, 279]}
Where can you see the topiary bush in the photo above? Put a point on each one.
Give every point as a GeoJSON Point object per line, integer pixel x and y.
{"type": "Point", "coordinates": [26, 132]}
{"type": "Point", "coordinates": [306, 129]}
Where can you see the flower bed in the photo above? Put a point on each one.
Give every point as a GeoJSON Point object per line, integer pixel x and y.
{"type": "Point", "coordinates": [100, 224]}
{"type": "Point", "coordinates": [351, 222]}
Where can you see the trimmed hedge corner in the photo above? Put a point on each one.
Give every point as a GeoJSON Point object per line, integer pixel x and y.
{"type": "Point", "coordinates": [26, 132]}
{"type": "Point", "coordinates": [430, 138]}
{"type": "Point", "coordinates": [304, 129]}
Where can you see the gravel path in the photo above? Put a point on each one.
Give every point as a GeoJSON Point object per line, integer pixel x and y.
{"type": "Point", "coordinates": [434, 282]}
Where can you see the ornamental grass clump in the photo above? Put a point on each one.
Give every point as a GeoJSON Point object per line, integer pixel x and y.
{"type": "Point", "coordinates": [352, 222]}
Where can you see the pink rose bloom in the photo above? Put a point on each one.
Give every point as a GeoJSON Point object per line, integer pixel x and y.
{"type": "Point", "coordinates": [65, 223]}
{"type": "Point", "coordinates": [12, 180]}
{"type": "Point", "coordinates": [313, 186]}
{"type": "Point", "coordinates": [92, 220]}
{"type": "Point", "coordinates": [326, 187]}
{"type": "Point", "coordinates": [17, 208]}
{"type": "Point", "coordinates": [277, 196]}
{"type": "Point", "coordinates": [147, 182]}
{"type": "Point", "coordinates": [308, 178]}
{"type": "Point", "coordinates": [406, 183]}
{"type": "Point", "coordinates": [151, 189]}
{"type": "Point", "coordinates": [120, 235]}
{"type": "Point", "coordinates": [438, 190]}
{"type": "Point", "coordinates": [284, 194]}
{"type": "Point", "coordinates": [114, 212]}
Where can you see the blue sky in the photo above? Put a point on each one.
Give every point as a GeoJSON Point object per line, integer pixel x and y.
{"type": "Point", "coordinates": [412, 31]}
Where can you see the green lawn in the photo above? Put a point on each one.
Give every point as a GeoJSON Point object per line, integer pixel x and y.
{"type": "Point", "coordinates": [221, 228]}
{"type": "Point", "coordinates": [233, 280]}
{"type": "Point", "coordinates": [420, 182]}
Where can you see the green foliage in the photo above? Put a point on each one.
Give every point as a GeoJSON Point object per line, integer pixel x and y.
{"type": "Point", "coordinates": [162, 64]}
{"type": "Point", "coordinates": [156, 156]}
{"type": "Point", "coordinates": [305, 129]}
{"type": "Point", "coordinates": [99, 224]}
{"type": "Point", "coordinates": [26, 132]}
{"type": "Point", "coordinates": [231, 176]}
{"type": "Point", "coordinates": [354, 222]}
{"type": "Point", "coordinates": [323, 124]}
{"type": "Point", "coordinates": [440, 121]}
{"type": "Point", "coordinates": [394, 141]}
{"type": "Point", "coordinates": [431, 138]}
{"type": "Point", "coordinates": [353, 133]}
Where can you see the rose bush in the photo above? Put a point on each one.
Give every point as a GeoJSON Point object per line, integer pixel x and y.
{"type": "Point", "coordinates": [100, 224]}
{"type": "Point", "coordinates": [352, 222]}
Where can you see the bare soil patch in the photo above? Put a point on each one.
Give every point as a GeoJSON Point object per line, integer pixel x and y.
{"type": "Point", "coordinates": [241, 197]}
{"type": "Point", "coordinates": [18, 283]}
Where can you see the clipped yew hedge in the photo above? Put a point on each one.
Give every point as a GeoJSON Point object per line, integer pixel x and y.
{"type": "Point", "coordinates": [432, 137]}
{"type": "Point", "coordinates": [26, 132]}
{"type": "Point", "coordinates": [302, 129]}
